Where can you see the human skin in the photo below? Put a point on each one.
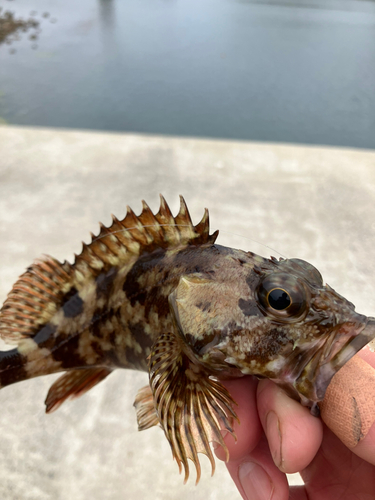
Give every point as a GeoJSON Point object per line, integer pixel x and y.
{"type": "Point", "coordinates": [277, 436]}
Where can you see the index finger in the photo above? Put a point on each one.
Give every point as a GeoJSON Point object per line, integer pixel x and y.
{"type": "Point", "coordinates": [348, 408]}
{"type": "Point", "coordinates": [249, 430]}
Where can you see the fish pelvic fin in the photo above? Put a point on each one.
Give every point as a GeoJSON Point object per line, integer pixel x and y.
{"type": "Point", "coordinates": [73, 384]}
{"type": "Point", "coordinates": [191, 406]}
{"type": "Point", "coordinates": [145, 408]}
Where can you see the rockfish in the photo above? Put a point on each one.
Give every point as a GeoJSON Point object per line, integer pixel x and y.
{"type": "Point", "coordinates": [155, 293]}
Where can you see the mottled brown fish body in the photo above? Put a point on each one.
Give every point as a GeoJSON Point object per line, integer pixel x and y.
{"type": "Point", "coordinates": [154, 292]}
{"type": "Point", "coordinates": [114, 323]}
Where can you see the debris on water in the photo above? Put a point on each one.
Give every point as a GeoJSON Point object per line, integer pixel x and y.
{"type": "Point", "coordinates": [11, 27]}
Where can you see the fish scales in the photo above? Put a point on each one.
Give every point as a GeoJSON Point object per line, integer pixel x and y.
{"type": "Point", "coordinates": [155, 293]}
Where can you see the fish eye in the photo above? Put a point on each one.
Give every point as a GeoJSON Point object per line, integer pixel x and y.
{"type": "Point", "coordinates": [282, 296]}
{"type": "Point", "coordinates": [279, 299]}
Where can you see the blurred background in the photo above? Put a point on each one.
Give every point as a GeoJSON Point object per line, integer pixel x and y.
{"type": "Point", "coordinates": [262, 111]}
{"type": "Point", "coordinates": [281, 71]}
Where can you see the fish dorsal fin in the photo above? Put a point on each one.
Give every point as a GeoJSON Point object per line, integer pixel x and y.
{"type": "Point", "coordinates": [48, 284]}
{"type": "Point", "coordinates": [73, 384]}
{"type": "Point", "coordinates": [127, 239]}
{"type": "Point", "coordinates": [34, 299]}
{"type": "Point", "coordinates": [191, 406]}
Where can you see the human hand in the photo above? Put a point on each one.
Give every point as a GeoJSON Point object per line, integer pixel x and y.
{"type": "Point", "coordinates": [277, 436]}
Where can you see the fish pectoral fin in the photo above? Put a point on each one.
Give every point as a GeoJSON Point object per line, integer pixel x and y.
{"type": "Point", "coordinates": [73, 384]}
{"type": "Point", "coordinates": [192, 407]}
{"type": "Point", "coordinates": [145, 408]}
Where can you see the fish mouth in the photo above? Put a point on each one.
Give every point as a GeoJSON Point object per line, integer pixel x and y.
{"type": "Point", "coordinates": [343, 343]}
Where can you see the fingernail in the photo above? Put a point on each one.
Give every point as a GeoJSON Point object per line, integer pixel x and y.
{"type": "Point", "coordinates": [274, 437]}
{"type": "Point", "coordinates": [255, 481]}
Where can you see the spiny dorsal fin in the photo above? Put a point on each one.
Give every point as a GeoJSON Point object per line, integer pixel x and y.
{"type": "Point", "coordinates": [191, 406]}
{"type": "Point", "coordinates": [34, 299]}
{"type": "Point", "coordinates": [73, 384]}
{"type": "Point", "coordinates": [129, 238]}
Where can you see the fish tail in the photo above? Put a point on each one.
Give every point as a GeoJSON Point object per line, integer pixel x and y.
{"type": "Point", "coordinates": [16, 366]}
{"type": "Point", "coordinates": [26, 361]}
{"type": "Point", "coordinates": [12, 367]}
{"type": "Point", "coordinates": [24, 320]}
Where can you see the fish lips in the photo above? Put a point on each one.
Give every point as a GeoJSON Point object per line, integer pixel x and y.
{"type": "Point", "coordinates": [344, 341]}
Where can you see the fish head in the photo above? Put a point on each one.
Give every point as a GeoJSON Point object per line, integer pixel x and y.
{"type": "Point", "coordinates": [322, 327]}
{"type": "Point", "coordinates": [279, 321]}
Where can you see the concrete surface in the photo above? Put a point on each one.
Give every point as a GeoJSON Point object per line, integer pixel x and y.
{"type": "Point", "coordinates": [308, 202]}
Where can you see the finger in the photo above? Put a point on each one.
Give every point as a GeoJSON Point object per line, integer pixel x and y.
{"type": "Point", "coordinates": [298, 493]}
{"type": "Point", "coordinates": [257, 477]}
{"type": "Point", "coordinates": [349, 406]}
{"type": "Point", "coordinates": [249, 431]}
{"type": "Point", "coordinates": [250, 463]}
{"type": "Point", "coordinates": [336, 472]}
{"type": "Point", "coordinates": [294, 435]}
{"type": "Point", "coordinates": [366, 447]}
{"type": "Point", "coordinates": [368, 355]}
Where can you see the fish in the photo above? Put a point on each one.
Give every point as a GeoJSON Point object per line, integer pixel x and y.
{"type": "Point", "coordinates": [156, 293]}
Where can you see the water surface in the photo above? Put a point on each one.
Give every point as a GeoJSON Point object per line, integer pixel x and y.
{"type": "Point", "coordinates": [240, 69]}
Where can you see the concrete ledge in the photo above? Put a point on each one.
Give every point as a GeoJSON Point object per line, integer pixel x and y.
{"type": "Point", "coordinates": [55, 185]}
